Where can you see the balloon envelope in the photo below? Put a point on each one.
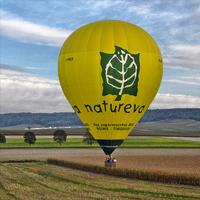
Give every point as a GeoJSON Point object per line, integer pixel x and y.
{"type": "Point", "coordinates": [110, 71]}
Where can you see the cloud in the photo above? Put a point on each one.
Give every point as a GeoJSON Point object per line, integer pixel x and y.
{"type": "Point", "coordinates": [185, 80]}
{"type": "Point", "coordinates": [95, 7]}
{"type": "Point", "coordinates": [122, 7]}
{"type": "Point", "coordinates": [22, 92]}
{"type": "Point", "coordinates": [175, 101]}
{"type": "Point", "coordinates": [183, 55]}
{"type": "Point", "coordinates": [29, 32]}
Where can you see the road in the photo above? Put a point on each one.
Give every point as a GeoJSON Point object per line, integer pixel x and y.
{"type": "Point", "coordinates": [43, 154]}
{"type": "Point", "coordinates": [79, 136]}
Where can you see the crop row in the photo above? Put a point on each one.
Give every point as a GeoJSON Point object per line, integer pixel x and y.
{"type": "Point", "coordinates": [130, 173]}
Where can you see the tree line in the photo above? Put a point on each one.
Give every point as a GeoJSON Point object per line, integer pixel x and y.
{"type": "Point", "coordinates": [59, 136]}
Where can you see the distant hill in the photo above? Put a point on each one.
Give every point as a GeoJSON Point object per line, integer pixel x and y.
{"type": "Point", "coordinates": [22, 120]}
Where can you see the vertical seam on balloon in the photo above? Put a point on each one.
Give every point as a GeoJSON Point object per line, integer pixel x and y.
{"type": "Point", "coordinates": [125, 97]}
{"type": "Point", "coordinates": [79, 36]}
{"type": "Point", "coordinates": [147, 53]}
{"type": "Point", "coordinates": [95, 25]}
{"type": "Point", "coordinates": [71, 93]}
{"type": "Point", "coordinates": [155, 49]}
{"type": "Point", "coordinates": [62, 81]}
{"type": "Point", "coordinates": [114, 42]}
{"type": "Point", "coordinates": [85, 60]}
{"type": "Point", "coordinates": [100, 42]}
{"type": "Point", "coordinates": [113, 34]}
{"type": "Point", "coordinates": [157, 52]}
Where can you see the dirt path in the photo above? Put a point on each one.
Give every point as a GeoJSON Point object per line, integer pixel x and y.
{"type": "Point", "coordinates": [185, 161]}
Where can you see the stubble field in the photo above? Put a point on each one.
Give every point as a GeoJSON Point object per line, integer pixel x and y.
{"type": "Point", "coordinates": [44, 181]}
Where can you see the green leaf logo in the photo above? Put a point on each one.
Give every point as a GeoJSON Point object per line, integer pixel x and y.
{"type": "Point", "coordinates": [120, 73]}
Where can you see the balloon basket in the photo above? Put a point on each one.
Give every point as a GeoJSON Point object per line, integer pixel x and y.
{"type": "Point", "coordinates": [110, 162]}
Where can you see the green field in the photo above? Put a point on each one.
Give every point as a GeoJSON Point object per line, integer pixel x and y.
{"type": "Point", "coordinates": [153, 142]}
{"type": "Point", "coordinates": [44, 181]}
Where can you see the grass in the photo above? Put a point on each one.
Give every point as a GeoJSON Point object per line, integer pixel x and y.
{"type": "Point", "coordinates": [153, 142]}
{"type": "Point", "coordinates": [44, 181]}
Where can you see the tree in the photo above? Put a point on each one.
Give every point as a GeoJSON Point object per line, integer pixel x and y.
{"type": "Point", "coordinates": [59, 136]}
{"type": "Point", "coordinates": [88, 138]}
{"type": "Point", "coordinates": [29, 137]}
{"type": "Point", "coordinates": [2, 138]}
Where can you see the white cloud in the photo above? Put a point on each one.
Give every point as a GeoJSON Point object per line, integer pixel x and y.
{"type": "Point", "coordinates": [26, 31]}
{"type": "Point", "coordinates": [186, 48]}
{"type": "Point", "coordinates": [146, 10]}
{"type": "Point", "coordinates": [184, 55]}
{"type": "Point", "coordinates": [95, 7]}
{"type": "Point", "coordinates": [175, 101]}
{"type": "Point", "coordinates": [186, 81]}
{"type": "Point", "coordinates": [22, 92]}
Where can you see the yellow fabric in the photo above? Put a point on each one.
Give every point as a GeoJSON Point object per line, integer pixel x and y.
{"type": "Point", "coordinates": [80, 74]}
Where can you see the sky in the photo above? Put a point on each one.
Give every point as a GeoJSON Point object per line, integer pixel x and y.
{"type": "Point", "coordinates": [33, 31]}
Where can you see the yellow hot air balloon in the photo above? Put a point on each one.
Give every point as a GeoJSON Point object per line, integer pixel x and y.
{"type": "Point", "coordinates": [110, 72]}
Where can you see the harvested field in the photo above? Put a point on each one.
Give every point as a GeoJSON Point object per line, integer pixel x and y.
{"type": "Point", "coordinates": [181, 164]}
{"type": "Point", "coordinates": [43, 181]}
{"type": "Point", "coordinates": [179, 161]}
{"type": "Point", "coordinates": [131, 173]}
